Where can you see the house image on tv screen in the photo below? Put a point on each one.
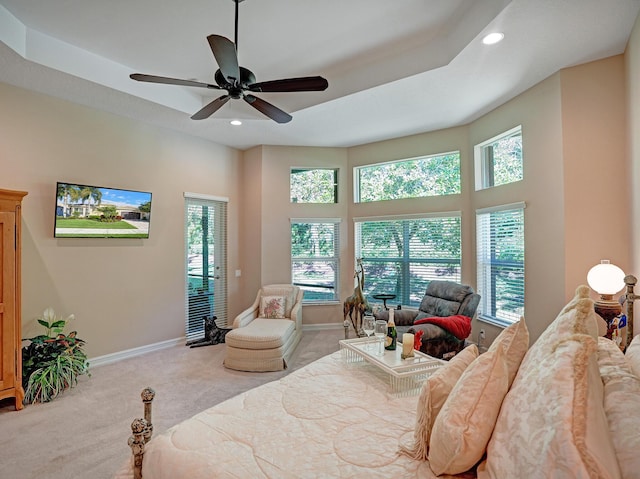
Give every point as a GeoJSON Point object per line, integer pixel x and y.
{"type": "Point", "coordinates": [84, 211]}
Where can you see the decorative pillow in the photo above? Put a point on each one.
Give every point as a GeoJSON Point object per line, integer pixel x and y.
{"type": "Point", "coordinates": [552, 421]}
{"type": "Point", "coordinates": [458, 325]}
{"type": "Point", "coordinates": [621, 406]}
{"type": "Point", "coordinates": [463, 427]}
{"type": "Point", "coordinates": [272, 307]}
{"type": "Point", "coordinates": [287, 291]}
{"type": "Point", "coordinates": [632, 355]}
{"type": "Point", "coordinates": [515, 341]}
{"type": "Point", "coordinates": [434, 393]}
{"type": "Point", "coordinates": [577, 317]}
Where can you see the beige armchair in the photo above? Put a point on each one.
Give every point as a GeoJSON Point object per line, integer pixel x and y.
{"type": "Point", "coordinates": [265, 335]}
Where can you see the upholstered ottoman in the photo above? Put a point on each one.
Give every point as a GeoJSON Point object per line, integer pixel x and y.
{"type": "Point", "coordinates": [263, 345]}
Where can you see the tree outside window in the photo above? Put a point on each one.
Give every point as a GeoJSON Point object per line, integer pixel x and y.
{"type": "Point", "coordinates": [435, 175]}
{"type": "Point", "coordinates": [499, 160]}
{"type": "Point", "coordinates": [314, 185]}
{"type": "Point", "coordinates": [315, 258]}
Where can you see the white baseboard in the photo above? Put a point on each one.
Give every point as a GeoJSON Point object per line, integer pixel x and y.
{"type": "Point", "coordinates": [322, 326]}
{"type": "Point", "coordinates": [130, 353]}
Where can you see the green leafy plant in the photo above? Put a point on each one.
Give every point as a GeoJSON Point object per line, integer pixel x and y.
{"type": "Point", "coordinates": [52, 362]}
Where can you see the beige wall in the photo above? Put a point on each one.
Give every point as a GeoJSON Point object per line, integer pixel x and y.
{"type": "Point", "coordinates": [538, 111]}
{"type": "Point", "coordinates": [596, 191]}
{"type": "Point", "coordinates": [632, 71]}
{"type": "Point", "coordinates": [274, 245]}
{"type": "Point", "coordinates": [251, 229]}
{"type": "Point", "coordinates": [124, 293]}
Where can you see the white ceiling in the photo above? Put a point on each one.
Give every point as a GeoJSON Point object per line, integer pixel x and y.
{"type": "Point", "coordinates": [395, 67]}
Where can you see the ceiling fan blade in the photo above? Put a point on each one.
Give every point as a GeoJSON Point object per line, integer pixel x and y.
{"type": "Point", "coordinates": [211, 108]}
{"type": "Point", "coordinates": [170, 81]}
{"type": "Point", "coordinates": [273, 112]}
{"type": "Point", "coordinates": [225, 53]}
{"type": "Point", "coordinates": [291, 84]}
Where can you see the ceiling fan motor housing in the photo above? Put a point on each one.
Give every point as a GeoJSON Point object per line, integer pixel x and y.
{"type": "Point", "coordinates": [235, 89]}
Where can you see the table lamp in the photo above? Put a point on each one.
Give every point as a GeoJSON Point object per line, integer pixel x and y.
{"type": "Point", "coordinates": [606, 279]}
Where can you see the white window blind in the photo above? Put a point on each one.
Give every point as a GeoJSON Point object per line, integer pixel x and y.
{"type": "Point", "coordinates": [500, 256]}
{"type": "Point", "coordinates": [206, 262]}
{"type": "Point", "coordinates": [315, 258]}
{"type": "Point", "coordinates": [402, 255]}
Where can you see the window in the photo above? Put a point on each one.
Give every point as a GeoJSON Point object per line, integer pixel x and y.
{"type": "Point", "coordinates": [314, 185]}
{"type": "Point", "coordinates": [412, 178]}
{"type": "Point", "coordinates": [315, 258]}
{"type": "Point", "coordinates": [206, 262]}
{"type": "Point", "coordinates": [401, 256]}
{"type": "Point", "coordinates": [499, 160]}
{"type": "Point", "coordinates": [500, 253]}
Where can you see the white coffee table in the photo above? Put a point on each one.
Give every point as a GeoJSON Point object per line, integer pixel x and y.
{"type": "Point", "coordinates": [405, 375]}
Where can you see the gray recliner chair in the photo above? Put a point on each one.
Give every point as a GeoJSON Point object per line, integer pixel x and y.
{"type": "Point", "coordinates": [441, 299]}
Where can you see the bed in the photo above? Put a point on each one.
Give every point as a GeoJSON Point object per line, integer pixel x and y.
{"type": "Point", "coordinates": [328, 419]}
{"type": "Point", "coordinates": [568, 406]}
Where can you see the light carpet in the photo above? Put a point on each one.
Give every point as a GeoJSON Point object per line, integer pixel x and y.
{"type": "Point", "coordinates": [83, 433]}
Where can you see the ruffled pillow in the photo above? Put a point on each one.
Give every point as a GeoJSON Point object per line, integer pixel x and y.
{"type": "Point", "coordinates": [632, 355]}
{"type": "Point", "coordinates": [621, 406]}
{"type": "Point", "coordinates": [434, 393]}
{"type": "Point", "coordinates": [463, 428]}
{"type": "Point", "coordinates": [515, 341]}
{"type": "Point", "coordinates": [552, 421]}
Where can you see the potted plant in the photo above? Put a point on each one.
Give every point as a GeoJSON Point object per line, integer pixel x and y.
{"type": "Point", "coordinates": [52, 362]}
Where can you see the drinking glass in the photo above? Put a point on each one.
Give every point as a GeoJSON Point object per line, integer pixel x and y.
{"type": "Point", "coordinates": [368, 326]}
{"type": "Point", "coordinates": [381, 333]}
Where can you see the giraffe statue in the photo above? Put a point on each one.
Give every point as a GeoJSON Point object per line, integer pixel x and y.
{"type": "Point", "coordinates": [349, 305]}
{"type": "Point", "coordinates": [356, 304]}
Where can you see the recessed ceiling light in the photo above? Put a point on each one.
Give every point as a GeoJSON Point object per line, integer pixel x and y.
{"type": "Point", "coordinates": [235, 122]}
{"type": "Point", "coordinates": [493, 38]}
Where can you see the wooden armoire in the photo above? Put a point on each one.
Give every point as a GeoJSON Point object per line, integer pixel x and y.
{"type": "Point", "coordinates": [10, 318]}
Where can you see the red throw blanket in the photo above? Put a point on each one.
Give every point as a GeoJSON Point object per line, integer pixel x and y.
{"type": "Point", "coordinates": [458, 325]}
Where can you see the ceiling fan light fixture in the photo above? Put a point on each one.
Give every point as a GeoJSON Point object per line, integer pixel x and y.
{"type": "Point", "coordinates": [237, 80]}
{"type": "Point", "coordinates": [493, 38]}
{"type": "Point", "coordinates": [236, 122]}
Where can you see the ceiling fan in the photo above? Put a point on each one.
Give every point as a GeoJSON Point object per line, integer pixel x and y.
{"type": "Point", "coordinates": [237, 81]}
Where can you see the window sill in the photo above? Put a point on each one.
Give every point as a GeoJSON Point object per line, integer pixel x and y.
{"type": "Point", "coordinates": [494, 321]}
{"type": "Point", "coordinates": [320, 303]}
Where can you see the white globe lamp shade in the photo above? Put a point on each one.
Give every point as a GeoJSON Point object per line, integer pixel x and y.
{"type": "Point", "coordinates": [606, 278]}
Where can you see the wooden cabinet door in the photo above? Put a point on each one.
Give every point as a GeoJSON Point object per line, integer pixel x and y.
{"type": "Point", "coordinates": [7, 300]}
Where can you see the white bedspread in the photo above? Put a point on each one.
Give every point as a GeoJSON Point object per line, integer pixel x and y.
{"type": "Point", "coordinates": [326, 420]}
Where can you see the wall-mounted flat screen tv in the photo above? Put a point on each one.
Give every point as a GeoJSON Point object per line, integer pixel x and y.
{"type": "Point", "coordinates": [85, 211]}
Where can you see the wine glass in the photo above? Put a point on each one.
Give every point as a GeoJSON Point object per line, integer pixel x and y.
{"type": "Point", "coordinates": [380, 332]}
{"type": "Point", "coordinates": [368, 326]}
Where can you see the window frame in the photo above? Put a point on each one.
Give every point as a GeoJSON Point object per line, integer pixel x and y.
{"type": "Point", "coordinates": [406, 261]}
{"type": "Point", "coordinates": [294, 170]}
{"type": "Point", "coordinates": [484, 160]}
{"type": "Point", "coordinates": [486, 267]}
{"type": "Point", "coordinates": [333, 260]}
{"type": "Point", "coordinates": [357, 186]}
